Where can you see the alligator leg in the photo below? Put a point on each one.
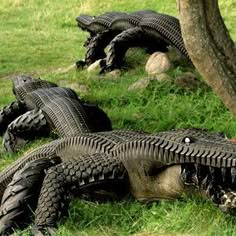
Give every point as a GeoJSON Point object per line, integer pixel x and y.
{"type": "Point", "coordinates": [228, 201]}
{"type": "Point", "coordinates": [86, 43]}
{"type": "Point", "coordinates": [224, 198]}
{"type": "Point", "coordinates": [44, 151]}
{"type": "Point", "coordinates": [71, 178]}
{"type": "Point", "coordinates": [27, 126]}
{"type": "Point", "coordinates": [98, 119]}
{"type": "Point", "coordinates": [21, 195]}
{"type": "Point", "coordinates": [133, 37]}
{"type": "Point", "coordinates": [95, 48]}
{"type": "Point", "coordinates": [9, 113]}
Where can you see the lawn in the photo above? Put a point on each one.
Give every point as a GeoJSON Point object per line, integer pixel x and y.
{"type": "Point", "coordinates": [40, 38]}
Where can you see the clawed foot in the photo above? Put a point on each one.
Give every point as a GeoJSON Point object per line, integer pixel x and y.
{"type": "Point", "coordinates": [42, 231]}
{"type": "Point", "coordinates": [228, 202]}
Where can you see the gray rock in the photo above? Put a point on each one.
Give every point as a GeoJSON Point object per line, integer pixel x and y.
{"type": "Point", "coordinates": [174, 54]}
{"type": "Point", "coordinates": [83, 88]}
{"type": "Point", "coordinates": [78, 87]}
{"type": "Point", "coordinates": [95, 66]}
{"type": "Point", "coordinates": [188, 81]}
{"type": "Point", "coordinates": [158, 63]}
{"type": "Point", "coordinates": [163, 77]}
{"type": "Point", "coordinates": [140, 84]}
{"type": "Point", "coordinates": [145, 82]}
{"type": "Point", "coordinates": [114, 74]}
{"type": "Point", "coordinates": [65, 70]}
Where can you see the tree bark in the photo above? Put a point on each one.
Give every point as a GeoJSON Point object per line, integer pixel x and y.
{"type": "Point", "coordinates": [210, 47]}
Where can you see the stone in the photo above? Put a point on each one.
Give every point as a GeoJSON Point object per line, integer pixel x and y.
{"type": "Point", "coordinates": [95, 66]}
{"type": "Point", "coordinates": [114, 73]}
{"type": "Point", "coordinates": [177, 58]}
{"type": "Point", "coordinates": [145, 82]}
{"type": "Point", "coordinates": [83, 88]}
{"type": "Point", "coordinates": [140, 84]}
{"type": "Point", "coordinates": [174, 54]}
{"type": "Point", "coordinates": [78, 87]}
{"type": "Point", "coordinates": [138, 115]}
{"type": "Point", "coordinates": [188, 81]}
{"type": "Point", "coordinates": [163, 77]}
{"type": "Point", "coordinates": [158, 63]}
{"type": "Point", "coordinates": [65, 69]}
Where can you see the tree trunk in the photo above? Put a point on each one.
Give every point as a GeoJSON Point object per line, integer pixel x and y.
{"type": "Point", "coordinates": [210, 47]}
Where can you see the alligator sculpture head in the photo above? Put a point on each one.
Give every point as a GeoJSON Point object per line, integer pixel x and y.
{"type": "Point", "coordinates": [99, 23]}
{"type": "Point", "coordinates": [83, 21]}
{"type": "Point", "coordinates": [170, 163]}
{"type": "Point", "coordinates": [24, 84]}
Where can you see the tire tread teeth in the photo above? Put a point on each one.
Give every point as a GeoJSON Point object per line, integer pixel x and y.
{"type": "Point", "coordinates": [233, 174]}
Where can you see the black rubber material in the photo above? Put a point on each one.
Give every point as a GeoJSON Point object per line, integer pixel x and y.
{"type": "Point", "coordinates": [44, 151]}
{"type": "Point", "coordinates": [96, 47]}
{"type": "Point", "coordinates": [63, 113]}
{"type": "Point", "coordinates": [133, 37]}
{"type": "Point", "coordinates": [165, 27]}
{"type": "Point", "coordinates": [72, 178]}
{"type": "Point", "coordinates": [97, 118]}
{"type": "Point", "coordinates": [9, 113]}
{"type": "Point", "coordinates": [40, 97]}
{"type": "Point", "coordinates": [21, 195]}
{"type": "Point", "coordinates": [218, 183]}
{"type": "Point", "coordinates": [66, 116]}
{"type": "Point", "coordinates": [158, 29]}
{"type": "Point", "coordinates": [99, 23]}
{"type": "Point", "coordinates": [105, 28]}
{"type": "Point", "coordinates": [69, 147]}
{"type": "Point", "coordinates": [26, 127]}
{"type": "Point", "coordinates": [84, 20]}
{"type": "Point", "coordinates": [178, 147]}
{"type": "Point", "coordinates": [22, 85]}
{"type": "Point", "coordinates": [210, 157]}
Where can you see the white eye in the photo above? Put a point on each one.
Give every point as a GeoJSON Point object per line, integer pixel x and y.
{"type": "Point", "coordinates": [187, 140]}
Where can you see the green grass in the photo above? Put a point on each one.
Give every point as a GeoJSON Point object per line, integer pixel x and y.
{"type": "Point", "coordinates": [40, 38]}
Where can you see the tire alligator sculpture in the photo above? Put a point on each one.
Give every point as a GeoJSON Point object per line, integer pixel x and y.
{"type": "Point", "coordinates": [150, 166]}
{"type": "Point", "coordinates": [84, 162]}
{"type": "Point", "coordinates": [121, 31]}
{"type": "Point", "coordinates": [42, 107]}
